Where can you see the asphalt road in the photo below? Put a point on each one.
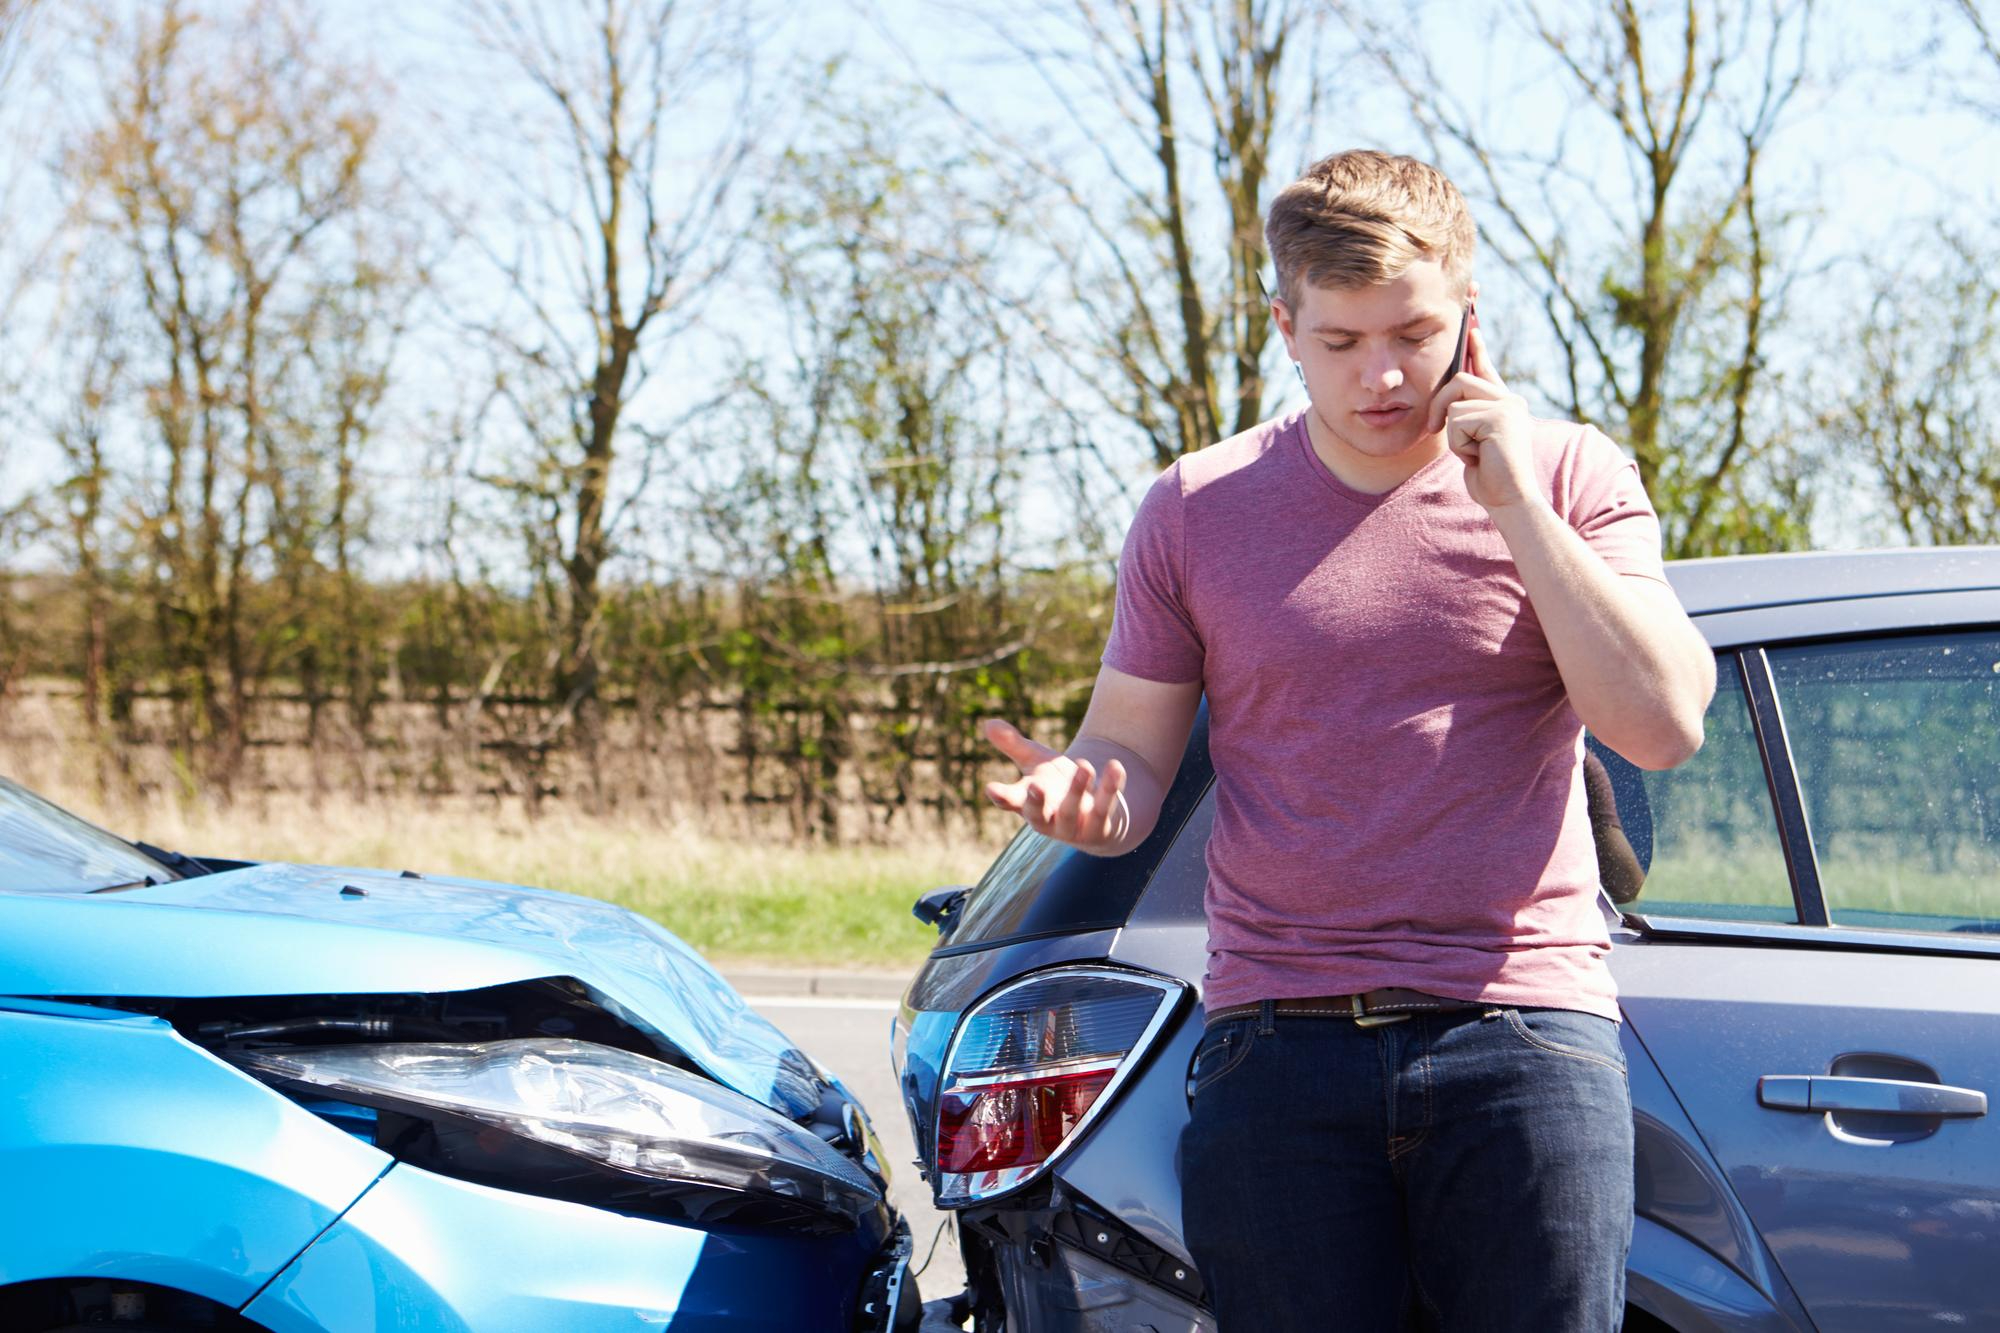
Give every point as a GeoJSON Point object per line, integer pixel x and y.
{"type": "Point", "coordinates": [851, 1038]}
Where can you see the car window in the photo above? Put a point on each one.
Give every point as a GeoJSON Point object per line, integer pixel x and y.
{"type": "Point", "coordinates": [1704, 834]}
{"type": "Point", "coordinates": [999, 903]}
{"type": "Point", "coordinates": [46, 848]}
{"type": "Point", "coordinates": [1897, 747]}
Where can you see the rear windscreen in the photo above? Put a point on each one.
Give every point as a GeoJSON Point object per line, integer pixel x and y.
{"type": "Point", "coordinates": [1039, 886]}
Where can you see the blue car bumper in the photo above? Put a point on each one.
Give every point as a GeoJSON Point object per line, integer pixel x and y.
{"type": "Point", "coordinates": [423, 1252]}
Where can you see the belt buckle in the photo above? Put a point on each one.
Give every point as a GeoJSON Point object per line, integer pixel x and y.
{"type": "Point", "coordinates": [1364, 1019]}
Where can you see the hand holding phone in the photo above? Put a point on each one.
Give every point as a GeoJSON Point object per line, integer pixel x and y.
{"type": "Point", "coordinates": [1487, 426]}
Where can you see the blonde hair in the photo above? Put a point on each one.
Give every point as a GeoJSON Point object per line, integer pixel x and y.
{"type": "Point", "coordinates": [1359, 218]}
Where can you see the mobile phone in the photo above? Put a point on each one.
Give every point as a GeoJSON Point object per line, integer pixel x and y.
{"type": "Point", "coordinates": [1464, 337]}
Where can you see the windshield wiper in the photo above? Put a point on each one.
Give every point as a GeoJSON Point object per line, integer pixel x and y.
{"type": "Point", "coordinates": [147, 883]}
{"type": "Point", "coordinates": [179, 862]}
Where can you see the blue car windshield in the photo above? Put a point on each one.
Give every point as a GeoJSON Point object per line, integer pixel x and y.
{"type": "Point", "coordinates": [46, 849]}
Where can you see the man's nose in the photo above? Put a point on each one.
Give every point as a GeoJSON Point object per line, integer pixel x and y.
{"type": "Point", "coordinates": [1383, 373]}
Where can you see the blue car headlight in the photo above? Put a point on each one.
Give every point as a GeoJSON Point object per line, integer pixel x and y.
{"type": "Point", "coordinates": [584, 1121]}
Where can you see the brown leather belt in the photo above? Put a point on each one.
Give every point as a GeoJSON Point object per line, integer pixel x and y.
{"type": "Point", "coordinates": [1391, 1004]}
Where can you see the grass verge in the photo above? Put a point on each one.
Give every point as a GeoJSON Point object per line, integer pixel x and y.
{"type": "Point", "coordinates": [736, 900]}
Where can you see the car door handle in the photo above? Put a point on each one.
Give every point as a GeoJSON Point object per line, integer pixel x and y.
{"type": "Point", "coordinates": [1882, 1096]}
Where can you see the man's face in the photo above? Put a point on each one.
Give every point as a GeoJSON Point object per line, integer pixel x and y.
{"type": "Point", "coordinates": [1373, 356]}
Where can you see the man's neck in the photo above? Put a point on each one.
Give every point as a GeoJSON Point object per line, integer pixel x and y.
{"type": "Point", "coordinates": [1364, 472]}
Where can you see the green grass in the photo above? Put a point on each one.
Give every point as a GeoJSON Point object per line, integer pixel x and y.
{"type": "Point", "coordinates": [837, 907]}
{"type": "Point", "coordinates": [1750, 875]}
{"type": "Point", "coordinates": [1896, 880]}
{"type": "Point", "coordinates": [737, 900]}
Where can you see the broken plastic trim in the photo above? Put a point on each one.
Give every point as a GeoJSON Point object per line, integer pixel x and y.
{"type": "Point", "coordinates": [1026, 1259]}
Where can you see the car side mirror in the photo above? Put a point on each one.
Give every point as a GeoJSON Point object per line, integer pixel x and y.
{"type": "Point", "coordinates": [939, 907]}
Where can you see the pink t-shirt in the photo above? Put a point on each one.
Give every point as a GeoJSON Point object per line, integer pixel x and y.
{"type": "Point", "coordinates": [1398, 769]}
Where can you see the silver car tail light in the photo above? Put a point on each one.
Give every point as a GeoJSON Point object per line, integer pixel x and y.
{"type": "Point", "coordinates": [1032, 1066]}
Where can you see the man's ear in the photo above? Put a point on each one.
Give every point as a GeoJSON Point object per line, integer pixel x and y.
{"type": "Point", "coordinates": [1281, 315]}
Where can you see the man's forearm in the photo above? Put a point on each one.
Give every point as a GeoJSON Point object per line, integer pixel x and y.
{"type": "Point", "coordinates": [1143, 794]}
{"type": "Point", "coordinates": [1638, 676]}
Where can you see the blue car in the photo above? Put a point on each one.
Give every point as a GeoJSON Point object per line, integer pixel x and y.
{"type": "Point", "coordinates": [296, 1098]}
{"type": "Point", "coordinates": [1806, 928]}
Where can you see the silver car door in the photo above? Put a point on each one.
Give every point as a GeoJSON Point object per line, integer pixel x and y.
{"type": "Point", "coordinates": [1840, 1060]}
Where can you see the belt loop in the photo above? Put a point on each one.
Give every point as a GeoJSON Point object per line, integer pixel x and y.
{"type": "Point", "coordinates": [1267, 1018]}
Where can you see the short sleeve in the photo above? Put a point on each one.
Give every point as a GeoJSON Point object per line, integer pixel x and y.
{"type": "Point", "coordinates": [1153, 632]}
{"type": "Point", "coordinates": [1607, 504]}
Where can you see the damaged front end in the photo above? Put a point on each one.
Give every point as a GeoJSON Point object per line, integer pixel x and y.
{"type": "Point", "coordinates": [533, 1110]}
{"type": "Point", "coordinates": [533, 1086]}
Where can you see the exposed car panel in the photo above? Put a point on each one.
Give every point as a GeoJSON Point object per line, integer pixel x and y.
{"type": "Point", "coordinates": [1077, 1292]}
{"type": "Point", "coordinates": [115, 1168]}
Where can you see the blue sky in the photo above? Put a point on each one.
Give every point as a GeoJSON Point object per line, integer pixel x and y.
{"type": "Point", "coordinates": [1875, 155]}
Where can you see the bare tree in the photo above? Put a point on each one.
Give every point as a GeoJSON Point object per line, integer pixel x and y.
{"type": "Point", "coordinates": [1179, 105]}
{"type": "Point", "coordinates": [1926, 403]}
{"type": "Point", "coordinates": [209, 189]}
{"type": "Point", "coordinates": [347, 339]}
{"type": "Point", "coordinates": [598, 289]}
{"type": "Point", "coordinates": [874, 508]}
{"type": "Point", "coordinates": [1985, 34]}
{"type": "Point", "coordinates": [16, 17]}
{"type": "Point", "coordinates": [1922, 401]}
{"type": "Point", "coordinates": [1657, 265]}
{"type": "Point", "coordinates": [84, 500]}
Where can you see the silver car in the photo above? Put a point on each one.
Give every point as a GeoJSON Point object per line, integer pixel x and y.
{"type": "Point", "coordinates": [1807, 949]}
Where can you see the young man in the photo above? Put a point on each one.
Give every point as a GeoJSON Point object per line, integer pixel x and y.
{"type": "Point", "coordinates": [1403, 604]}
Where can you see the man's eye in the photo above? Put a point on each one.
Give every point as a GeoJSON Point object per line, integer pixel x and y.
{"type": "Point", "coordinates": [1418, 339]}
{"type": "Point", "coordinates": [1336, 347]}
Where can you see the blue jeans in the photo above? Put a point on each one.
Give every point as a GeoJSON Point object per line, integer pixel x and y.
{"type": "Point", "coordinates": [1465, 1171]}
